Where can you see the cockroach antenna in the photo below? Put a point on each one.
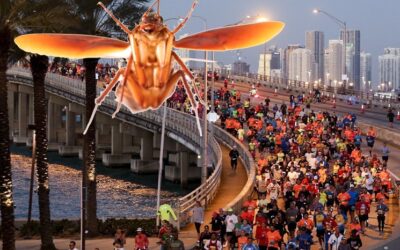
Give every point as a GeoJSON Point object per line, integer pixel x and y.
{"type": "Point", "coordinates": [151, 6]}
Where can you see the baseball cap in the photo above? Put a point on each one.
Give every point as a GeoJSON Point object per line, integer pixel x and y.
{"type": "Point", "coordinates": [139, 229]}
{"type": "Point", "coordinates": [230, 209]}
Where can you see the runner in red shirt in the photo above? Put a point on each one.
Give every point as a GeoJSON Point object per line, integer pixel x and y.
{"type": "Point", "coordinates": [362, 209]}
{"type": "Point", "coordinates": [141, 241]}
{"type": "Point", "coordinates": [329, 224]}
{"type": "Point", "coordinates": [261, 235]}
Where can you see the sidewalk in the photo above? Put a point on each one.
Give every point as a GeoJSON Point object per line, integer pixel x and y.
{"type": "Point", "coordinates": [231, 185]}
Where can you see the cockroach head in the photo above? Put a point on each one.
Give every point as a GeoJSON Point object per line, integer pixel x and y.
{"type": "Point", "coordinates": [151, 21]}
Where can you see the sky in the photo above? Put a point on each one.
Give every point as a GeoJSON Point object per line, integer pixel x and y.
{"type": "Point", "coordinates": [378, 21]}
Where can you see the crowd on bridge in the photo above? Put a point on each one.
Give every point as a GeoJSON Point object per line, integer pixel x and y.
{"type": "Point", "coordinates": [318, 178]}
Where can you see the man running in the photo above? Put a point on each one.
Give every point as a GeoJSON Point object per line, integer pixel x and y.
{"type": "Point", "coordinates": [234, 155]}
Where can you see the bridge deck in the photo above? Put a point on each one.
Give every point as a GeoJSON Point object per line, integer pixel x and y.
{"type": "Point", "coordinates": [231, 185]}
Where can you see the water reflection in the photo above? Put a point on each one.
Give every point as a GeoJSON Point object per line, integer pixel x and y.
{"type": "Point", "coordinates": [115, 197]}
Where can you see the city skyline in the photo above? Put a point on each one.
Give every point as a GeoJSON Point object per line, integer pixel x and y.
{"type": "Point", "coordinates": [299, 18]}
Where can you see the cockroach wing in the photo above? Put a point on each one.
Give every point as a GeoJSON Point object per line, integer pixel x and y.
{"type": "Point", "coordinates": [73, 46]}
{"type": "Point", "coordinates": [232, 37]}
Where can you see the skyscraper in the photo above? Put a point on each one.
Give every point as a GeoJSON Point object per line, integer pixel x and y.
{"type": "Point", "coordinates": [300, 64]}
{"type": "Point", "coordinates": [286, 58]}
{"type": "Point", "coordinates": [240, 68]}
{"type": "Point", "coordinates": [353, 50]}
{"type": "Point", "coordinates": [389, 68]}
{"type": "Point", "coordinates": [315, 43]}
{"type": "Point", "coordinates": [365, 70]}
{"type": "Point", "coordinates": [269, 61]}
{"type": "Point", "coordinates": [334, 61]}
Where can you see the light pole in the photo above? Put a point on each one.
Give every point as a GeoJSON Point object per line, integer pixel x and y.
{"type": "Point", "coordinates": [33, 128]}
{"type": "Point", "coordinates": [265, 61]}
{"type": "Point", "coordinates": [328, 81]}
{"type": "Point", "coordinates": [205, 134]}
{"type": "Point", "coordinates": [342, 25]}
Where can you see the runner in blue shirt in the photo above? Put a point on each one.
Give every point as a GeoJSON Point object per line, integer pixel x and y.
{"type": "Point", "coordinates": [353, 200]}
{"type": "Point", "coordinates": [250, 245]}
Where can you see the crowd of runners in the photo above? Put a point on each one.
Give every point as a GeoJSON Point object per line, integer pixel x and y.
{"type": "Point", "coordinates": [317, 182]}
{"type": "Point", "coordinates": [318, 178]}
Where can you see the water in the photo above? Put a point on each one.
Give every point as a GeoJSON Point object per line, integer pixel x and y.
{"type": "Point", "coordinates": [120, 193]}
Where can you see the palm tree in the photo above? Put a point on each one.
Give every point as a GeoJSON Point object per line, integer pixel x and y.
{"type": "Point", "coordinates": [39, 69]}
{"type": "Point", "coordinates": [6, 199]}
{"type": "Point", "coordinates": [9, 21]}
{"type": "Point", "coordinates": [43, 16]}
{"type": "Point", "coordinates": [93, 20]}
{"type": "Point", "coordinates": [51, 16]}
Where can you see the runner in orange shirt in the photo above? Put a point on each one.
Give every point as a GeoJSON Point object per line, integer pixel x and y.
{"type": "Point", "coordinates": [306, 222]}
{"type": "Point", "coordinates": [344, 198]}
{"type": "Point", "coordinates": [274, 237]}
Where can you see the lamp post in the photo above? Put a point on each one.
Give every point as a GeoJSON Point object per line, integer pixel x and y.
{"type": "Point", "coordinates": [342, 25]}
{"type": "Point", "coordinates": [205, 134]}
{"type": "Point", "coordinates": [33, 128]}
{"type": "Point", "coordinates": [328, 81]}
{"type": "Point", "coordinates": [265, 60]}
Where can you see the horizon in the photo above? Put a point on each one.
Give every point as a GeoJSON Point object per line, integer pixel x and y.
{"type": "Point", "coordinates": [374, 34]}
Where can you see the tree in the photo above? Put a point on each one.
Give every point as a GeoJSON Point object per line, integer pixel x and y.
{"type": "Point", "coordinates": [52, 16]}
{"type": "Point", "coordinates": [6, 198]}
{"type": "Point", "coordinates": [39, 66]}
{"type": "Point", "coordinates": [93, 20]}
{"type": "Point", "coordinates": [9, 21]}
{"type": "Point", "coordinates": [42, 16]}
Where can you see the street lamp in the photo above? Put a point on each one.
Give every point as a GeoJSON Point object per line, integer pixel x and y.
{"type": "Point", "coordinates": [33, 128]}
{"type": "Point", "coordinates": [328, 81]}
{"type": "Point", "coordinates": [205, 134]}
{"type": "Point", "coordinates": [342, 25]}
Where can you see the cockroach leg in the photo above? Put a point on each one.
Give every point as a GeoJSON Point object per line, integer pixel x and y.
{"type": "Point", "coordinates": [124, 80]}
{"type": "Point", "coordinates": [193, 102]}
{"type": "Point", "coordinates": [180, 75]}
{"type": "Point", "coordinates": [188, 73]}
{"type": "Point", "coordinates": [99, 100]}
{"type": "Point", "coordinates": [109, 87]}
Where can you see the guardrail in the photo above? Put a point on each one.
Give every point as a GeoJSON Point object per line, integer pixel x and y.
{"type": "Point", "coordinates": [366, 98]}
{"type": "Point", "coordinates": [179, 126]}
{"type": "Point", "coordinates": [248, 162]}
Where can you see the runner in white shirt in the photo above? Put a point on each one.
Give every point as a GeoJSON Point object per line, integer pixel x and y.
{"type": "Point", "coordinates": [230, 221]}
{"type": "Point", "coordinates": [293, 176]}
{"type": "Point", "coordinates": [273, 190]}
{"type": "Point", "coordinates": [335, 239]}
{"type": "Point", "coordinates": [261, 186]}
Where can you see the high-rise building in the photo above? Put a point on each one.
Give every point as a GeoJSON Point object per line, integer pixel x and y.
{"type": "Point", "coordinates": [269, 61]}
{"type": "Point", "coordinates": [240, 68]}
{"type": "Point", "coordinates": [315, 43]}
{"type": "Point", "coordinates": [365, 70]}
{"type": "Point", "coordinates": [300, 64]}
{"type": "Point", "coordinates": [389, 68]}
{"type": "Point", "coordinates": [334, 61]}
{"type": "Point", "coordinates": [285, 58]}
{"type": "Point", "coordinates": [353, 44]}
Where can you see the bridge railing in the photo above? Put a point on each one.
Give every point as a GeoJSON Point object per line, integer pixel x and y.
{"type": "Point", "coordinates": [180, 126]}
{"type": "Point", "coordinates": [281, 84]}
{"type": "Point", "coordinates": [248, 162]}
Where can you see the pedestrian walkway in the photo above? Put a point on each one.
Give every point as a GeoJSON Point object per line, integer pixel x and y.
{"type": "Point", "coordinates": [231, 185]}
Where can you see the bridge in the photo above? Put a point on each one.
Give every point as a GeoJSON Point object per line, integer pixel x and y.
{"type": "Point", "coordinates": [67, 95]}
